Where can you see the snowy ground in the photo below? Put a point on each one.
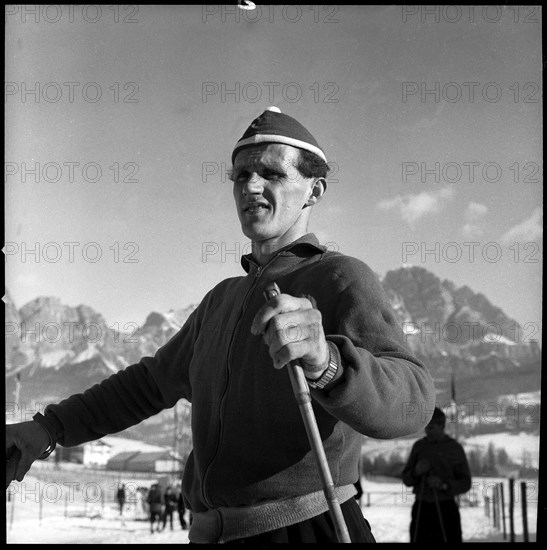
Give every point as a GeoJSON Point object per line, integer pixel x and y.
{"type": "Point", "coordinates": [390, 519]}
{"type": "Point", "coordinates": [65, 522]}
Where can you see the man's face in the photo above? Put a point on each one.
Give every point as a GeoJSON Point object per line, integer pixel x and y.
{"type": "Point", "coordinates": [434, 431]}
{"type": "Point", "coordinates": [270, 194]}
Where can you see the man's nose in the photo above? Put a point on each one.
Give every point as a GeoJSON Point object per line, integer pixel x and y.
{"type": "Point", "coordinates": [253, 185]}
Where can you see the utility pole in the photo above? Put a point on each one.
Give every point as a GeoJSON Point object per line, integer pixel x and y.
{"type": "Point", "coordinates": [17, 391]}
{"type": "Point", "coordinates": [453, 404]}
{"type": "Point", "coordinates": [175, 435]}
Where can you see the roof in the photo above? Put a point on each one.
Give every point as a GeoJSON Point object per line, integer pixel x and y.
{"type": "Point", "coordinates": [140, 460]}
{"type": "Point", "coordinates": [121, 459]}
{"type": "Point", "coordinates": [124, 444]}
{"type": "Point", "coordinates": [152, 457]}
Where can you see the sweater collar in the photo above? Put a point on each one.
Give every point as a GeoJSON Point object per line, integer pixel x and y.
{"type": "Point", "coordinates": [295, 252]}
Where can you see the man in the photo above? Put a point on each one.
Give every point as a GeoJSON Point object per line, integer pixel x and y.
{"type": "Point", "coordinates": [169, 504]}
{"type": "Point", "coordinates": [120, 497]}
{"type": "Point", "coordinates": [155, 505]}
{"type": "Point", "coordinates": [437, 468]}
{"type": "Point", "coordinates": [252, 476]}
{"type": "Point", "coordinates": [181, 509]}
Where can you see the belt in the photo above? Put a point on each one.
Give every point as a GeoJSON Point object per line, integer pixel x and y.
{"type": "Point", "coordinates": [224, 524]}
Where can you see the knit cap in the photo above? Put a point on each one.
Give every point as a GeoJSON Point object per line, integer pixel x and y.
{"type": "Point", "coordinates": [273, 126]}
{"type": "Point", "coordinates": [438, 416]}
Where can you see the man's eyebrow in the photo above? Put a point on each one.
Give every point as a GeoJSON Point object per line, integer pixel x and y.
{"type": "Point", "coordinates": [275, 166]}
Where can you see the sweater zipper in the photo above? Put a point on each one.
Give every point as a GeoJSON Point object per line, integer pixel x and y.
{"type": "Point", "coordinates": [259, 271]}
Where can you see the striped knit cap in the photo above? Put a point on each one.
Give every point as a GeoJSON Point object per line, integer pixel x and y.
{"type": "Point", "coordinates": [273, 126]}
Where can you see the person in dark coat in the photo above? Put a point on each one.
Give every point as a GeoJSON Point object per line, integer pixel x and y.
{"type": "Point", "coordinates": [154, 500]}
{"type": "Point", "coordinates": [120, 497]}
{"type": "Point", "coordinates": [438, 470]}
{"type": "Point", "coordinates": [359, 486]}
{"type": "Point", "coordinates": [181, 510]}
{"type": "Point", "coordinates": [169, 505]}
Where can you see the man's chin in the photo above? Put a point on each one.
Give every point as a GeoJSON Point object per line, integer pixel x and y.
{"type": "Point", "coordinates": [256, 232]}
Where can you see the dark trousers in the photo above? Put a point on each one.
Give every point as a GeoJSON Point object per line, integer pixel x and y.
{"type": "Point", "coordinates": [316, 530]}
{"type": "Point", "coordinates": [426, 524]}
{"type": "Point", "coordinates": [181, 518]}
{"type": "Point", "coordinates": [155, 515]}
{"type": "Point", "coordinates": [168, 514]}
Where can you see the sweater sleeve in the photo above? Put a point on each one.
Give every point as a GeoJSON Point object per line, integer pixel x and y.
{"type": "Point", "coordinates": [384, 391]}
{"type": "Point", "coordinates": [460, 481]}
{"type": "Point", "coordinates": [131, 395]}
{"type": "Point", "coordinates": [408, 476]}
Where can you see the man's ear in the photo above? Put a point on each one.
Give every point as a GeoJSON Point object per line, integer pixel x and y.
{"type": "Point", "coordinates": [317, 191]}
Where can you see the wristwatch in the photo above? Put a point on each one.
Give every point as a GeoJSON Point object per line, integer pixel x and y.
{"type": "Point", "coordinates": [328, 375]}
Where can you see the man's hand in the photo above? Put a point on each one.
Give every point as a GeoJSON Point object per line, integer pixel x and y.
{"type": "Point", "coordinates": [434, 482]}
{"type": "Point", "coordinates": [31, 440]}
{"type": "Point", "coordinates": [292, 329]}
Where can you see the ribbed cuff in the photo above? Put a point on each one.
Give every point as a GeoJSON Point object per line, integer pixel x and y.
{"type": "Point", "coordinates": [53, 425]}
{"type": "Point", "coordinates": [39, 419]}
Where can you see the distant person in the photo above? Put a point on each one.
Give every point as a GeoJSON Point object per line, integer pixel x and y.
{"type": "Point", "coordinates": [169, 504]}
{"type": "Point", "coordinates": [358, 486]}
{"type": "Point", "coordinates": [359, 493]}
{"type": "Point", "coordinates": [181, 510]}
{"type": "Point", "coordinates": [437, 468]}
{"type": "Point", "coordinates": [154, 500]}
{"type": "Point", "coordinates": [120, 497]}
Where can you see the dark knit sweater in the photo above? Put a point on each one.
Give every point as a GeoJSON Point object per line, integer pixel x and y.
{"type": "Point", "coordinates": [448, 462]}
{"type": "Point", "coordinates": [249, 441]}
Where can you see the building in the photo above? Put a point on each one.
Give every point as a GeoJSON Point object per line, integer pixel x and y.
{"type": "Point", "coordinates": [96, 454]}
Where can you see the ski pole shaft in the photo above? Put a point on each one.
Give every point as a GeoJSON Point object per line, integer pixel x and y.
{"type": "Point", "coordinates": [303, 398]}
{"type": "Point", "coordinates": [439, 514]}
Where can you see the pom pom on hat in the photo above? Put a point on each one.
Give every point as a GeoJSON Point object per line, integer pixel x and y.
{"type": "Point", "coordinates": [273, 126]}
{"type": "Point", "coordinates": [438, 416]}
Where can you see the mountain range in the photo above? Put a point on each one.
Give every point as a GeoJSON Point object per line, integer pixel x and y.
{"type": "Point", "coordinates": [54, 350]}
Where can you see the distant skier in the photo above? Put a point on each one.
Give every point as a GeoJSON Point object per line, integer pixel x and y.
{"type": "Point", "coordinates": [437, 468]}
{"type": "Point", "coordinates": [155, 501]}
{"type": "Point", "coordinates": [120, 497]}
{"type": "Point", "coordinates": [169, 506]}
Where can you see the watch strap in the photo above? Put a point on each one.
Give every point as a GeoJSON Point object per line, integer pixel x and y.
{"type": "Point", "coordinates": [330, 371]}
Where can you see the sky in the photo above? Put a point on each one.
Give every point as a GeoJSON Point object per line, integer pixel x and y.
{"type": "Point", "coordinates": [120, 122]}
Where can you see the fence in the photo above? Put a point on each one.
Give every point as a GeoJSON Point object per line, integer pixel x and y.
{"type": "Point", "coordinates": [54, 491]}
{"type": "Point", "coordinates": [504, 503]}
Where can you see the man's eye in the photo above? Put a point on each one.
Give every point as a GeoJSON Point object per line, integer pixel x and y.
{"type": "Point", "coordinates": [241, 176]}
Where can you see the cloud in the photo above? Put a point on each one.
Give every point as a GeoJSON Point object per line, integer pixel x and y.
{"type": "Point", "coordinates": [529, 230]}
{"type": "Point", "coordinates": [473, 214]}
{"type": "Point", "coordinates": [475, 211]}
{"type": "Point", "coordinates": [414, 207]}
{"type": "Point", "coordinates": [426, 122]}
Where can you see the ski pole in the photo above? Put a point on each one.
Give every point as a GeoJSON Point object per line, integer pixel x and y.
{"type": "Point", "coordinates": [419, 511]}
{"type": "Point", "coordinates": [439, 513]}
{"type": "Point", "coordinates": [303, 398]}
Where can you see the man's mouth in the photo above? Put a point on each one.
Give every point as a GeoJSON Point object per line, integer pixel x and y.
{"type": "Point", "coordinates": [256, 208]}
